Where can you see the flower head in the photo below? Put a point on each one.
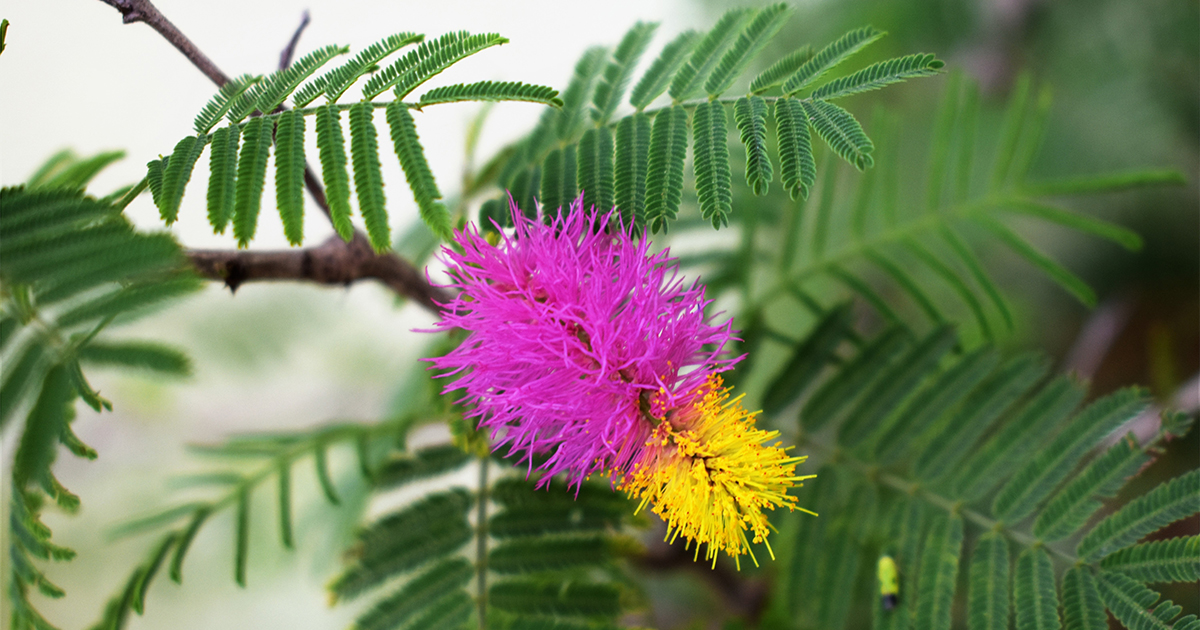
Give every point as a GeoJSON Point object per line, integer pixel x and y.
{"type": "Point", "coordinates": [709, 474]}
{"type": "Point", "coordinates": [577, 339]}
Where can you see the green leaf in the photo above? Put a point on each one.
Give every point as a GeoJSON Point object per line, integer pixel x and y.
{"type": "Point", "coordinates": [987, 606]}
{"type": "Point", "coordinates": [285, 505]}
{"type": "Point", "coordinates": [594, 169]}
{"type": "Point", "coordinates": [1105, 183]}
{"type": "Point", "coordinates": [451, 611]}
{"type": "Point", "coordinates": [908, 284]}
{"type": "Point", "coordinates": [176, 175]}
{"type": "Point", "coordinates": [714, 180]}
{"type": "Point", "coordinates": [427, 61]}
{"type": "Point", "coordinates": [838, 393]}
{"type": "Point", "coordinates": [138, 355]}
{"type": "Point", "coordinates": [492, 91]}
{"type": "Point", "coordinates": [664, 172]}
{"type": "Point", "coordinates": [893, 386]}
{"type": "Point", "coordinates": [781, 70]}
{"type": "Point", "coordinates": [321, 462]}
{"type": "Point", "coordinates": [417, 595]}
{"type": "Point", "coordinates": [279, 85]}
{"type": "Point", "coordinates": [906, 519]}
{"type": "Point", "coordinates": [553, 518]}
{"type": "Point", "coordinates": [941, 394]}
{"type": "Point", "coordinates": [867, 292]}
{"type": "Point", "coordinates": [708, 52]}
{"type": "Point", "coordinates": [368, 179]}
{"type": "Point", "coordinates": [939, 573]}
{"type": "Point", "coordinates": [78, 173]}
{"type": "Point", "coordinates": [797, 169]}
{"type": "Point", "coordinates": [251, 175]}
{"type": "Point", "coordinates": [532, 555]}
{"type": "Point", "coordinates": [673, 56]}
{"type": "Point", "coordinates": [841, 131]}
{"type": "Point", "coordinates": [761, 30]}
{"type": "Point", "coordinates": [1069, 510]}
{"type": "Point", "coordinates": [18, 375]}
{"type": "Point", "coordinates": [39, 439]}
{"type": "Point", "coordinates": [1133, 604]}
{"type": "Point", "coordinates": [558, 180]}
{"type": "Point", "coordinates": [154, 176]}
{"type": "Point", "coordinates": [554, 597]}
{"type": "Point", "coordinates": [830, 56]}
{"type": "Point", "coordinates": [1082, 609]}
{"type": "Point", "coordinates": [951, 277]}
{"type": "Point", "coordinates": [840, 562]}
{"type": "Point", "coordinates": [427, 462]}
{"type": "Point", "coordinates": [1033, 592]}
{"type": "Point", "coordinates": [750, 116]}
{"type": "Point", "coordinates": [1007, 450]}
{"type": "Point", "coordinates": [151, 569]}
{"type": "Point", "coordinates": [971, 262]}
{"type": "Point", "coordinates": [1010, 131]}
{"type": "Point", "coordinates": [570, 119]}
{"type": "Point", "coordinates": [878, 75]}
{"type": "Point", "coordinates": [185, 541]}
{"type": "Point", "coordinates": [1171, 560]}
{"type": "Point", "coordinates": [619, 71]}
{"type": "Point", "coordinates": [222, 170]}
{"type": "Point", "coordinates": [1077, 222]}
{"type": "Point", "coordinates": [954, 438]}
{"type": "Point", "coordinates": [241, 548]}
{"type": "Point", "coordinates": [220, 104]}
{"type": "Point", "coordinates": [335, 82]}
{"type": "Point", "coordinates": [416, 171]}
{"type": "Point", "coordinates": [131, 300]}
{"type": "Point", "coordinates": [630, 166]}
{"type": "Point", "coordinates": [1034, 482]}
{"type": "Point", "coordinates": [1165, 504]}
{"type": "Point", "coordinates": [289, 174]}
{"type": "Point", "coordinates": [331, 146]}
{"type": "Point", "coordinates": [809, 358]}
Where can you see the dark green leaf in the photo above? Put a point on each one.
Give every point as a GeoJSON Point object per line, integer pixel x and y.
{"type": "Point", "coordinates": [714, 180]}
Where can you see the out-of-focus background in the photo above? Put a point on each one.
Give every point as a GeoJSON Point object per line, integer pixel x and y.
{"type": "Point", "coordinates": [1125, 79]}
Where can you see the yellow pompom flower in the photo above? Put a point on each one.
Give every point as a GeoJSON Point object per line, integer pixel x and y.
{"type": "Point", "coordinates": [709, 473]}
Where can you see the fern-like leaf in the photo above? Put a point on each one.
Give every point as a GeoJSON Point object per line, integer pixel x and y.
{"type": "Point", "coordinates": [781, 70]}
{"type": "Point", "coordinates": [708, 52]}
{"type": "Point", "coordinates": [835, 396]}
{"type": "Point", "coordinates": [416, 596]}
{"type": "Point", "coordinates": [289, 174]}
{"type": "Point", "coordinates": [664, 171]}
{"type": "Point", "coordinates": [1171, 560]}
{"type": "Point", "coordinates": [251, 175]}
{"type": "Point", "coordinates": [714, 180]}
{"type": "Point", "coordinates": [137, 355]}
{"type": "Point", "coordinates": [988, 605]}
{"type": "Point", "coordinates": [331, 146]}
{"type": "Point", "coordinates": [630, 166]}
{"type": "Point", "coordinates": [558, 179]}
{"type": "Point", "coordinates": [220, 104]}
{"type": "Point", "coordinates": [1165, 504]}
{"type": "Point", "coordinates": [797, 168]}
{"type": "Point", "coordinates": [1067, 280]}
{"type": "Point", "coordinates": [808, 360]}
{"type": "Point", "coordinates": [750, 116]}
{"type": "Point", "coordinates": [1082, 608]}
{"type": "Point", "coordinates": [938, 573]}
{"type": "Point", "coordinates": [594, 170]}
{"type": "Point", "coordinates": [176, 175]}
{"type": "Point", "coordinates": [221, 173]}
{"type": "Point", "coordinates": [1070, 509]}
{"type": "Point", "coordinates": [569, 120]}
{"type": "Point", "coordinates": [492, 91]}
{"type": "Point", "coordinates": [416, 171]}
{"type": "Point", "coordinates": [368, 180]}
{"type": "Point", "coordinates": [761, 30]}
{"type": "Point", "coordinates": [427, 61]}
{"type": "Point", "coordinates": [880, 75]}
{"type": "Point", "coordinates": [611, 88]}
{"type": "Point", "coordinates": [841, 131]}
{"type": "Point", "coordinates": [1122, 236]}
{"type": "Point", "coordinates": [1033, 483]}
{"type": "Point", "coordinates": [1133, 604]}
{"type": "Point", "coordinates": [1033, 592]}
{"type": "Point", "coordinates": [272, 91]}
{"type": "Point", "coordinates": [830, 56]}
{"type": "Point", "coordinates": [658, 77]}
{"type": "Point", "coordinates": [335, 82]}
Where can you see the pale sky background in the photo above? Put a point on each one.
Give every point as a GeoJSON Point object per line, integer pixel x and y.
{"type": "Point", "coordinates": [273, 355]}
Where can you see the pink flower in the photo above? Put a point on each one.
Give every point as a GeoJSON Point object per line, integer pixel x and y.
{"type": "Point", "coordinates": [578, 339]}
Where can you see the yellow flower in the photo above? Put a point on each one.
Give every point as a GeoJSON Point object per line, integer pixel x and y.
{"type": "Point", "coordinates": [709, 473]}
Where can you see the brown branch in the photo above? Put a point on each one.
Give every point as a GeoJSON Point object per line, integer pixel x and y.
{"type": "Point", "coordinates": [334, 262]}
{"type": "Point", "coordinates": [285, 58]}
{"type": "Point", "coordinates": [356, 259]}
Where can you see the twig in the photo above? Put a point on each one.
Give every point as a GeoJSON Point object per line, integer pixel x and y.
{"type": "Point", "coordinates": [285, 59]}
{"type": "Point", "coordinates": [334, 262]}
{"type": "Point", "coordinates": [357, 259]}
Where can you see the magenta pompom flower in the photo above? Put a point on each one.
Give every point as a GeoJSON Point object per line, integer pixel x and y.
{"type": "Point", "coordinates": [578, 340]}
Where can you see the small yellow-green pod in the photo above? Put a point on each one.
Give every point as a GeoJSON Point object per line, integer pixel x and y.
{"type": "Point", "coordinates": [889, 582]}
